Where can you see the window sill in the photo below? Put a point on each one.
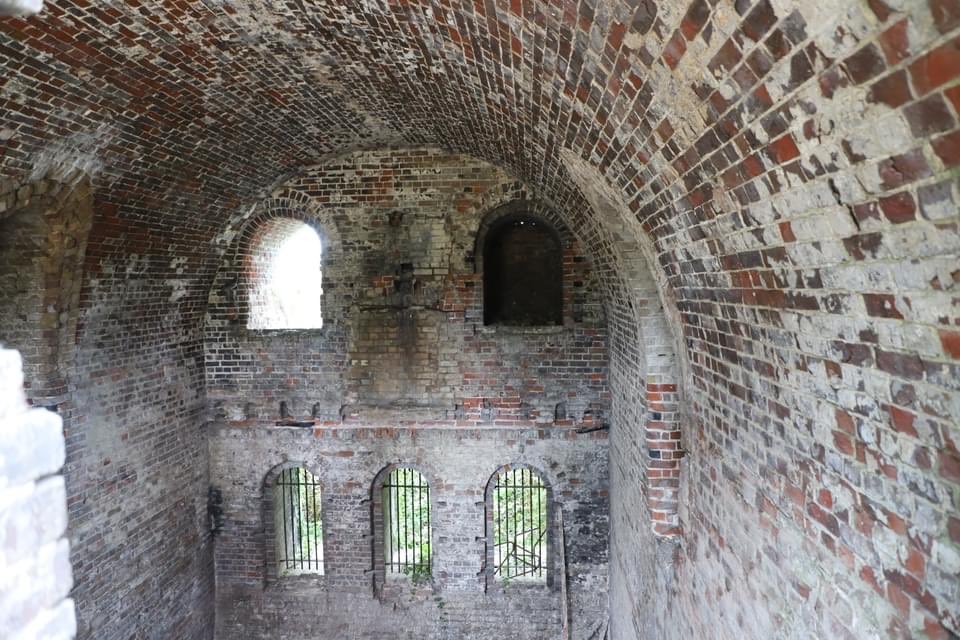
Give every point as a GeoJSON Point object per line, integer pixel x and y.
{"type": "Point", "coordinates": [270, 333]}
{"type": "Point", "coordinates": [523, 330]}
{"type": "Point", "coordinates": [297, 583]}
{"type": "Point", "coordinates": [508, 586]}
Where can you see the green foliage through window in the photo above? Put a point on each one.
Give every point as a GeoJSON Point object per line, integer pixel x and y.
{"type": "Point", "coordinates": [297, 523]}
{"type": "Point", "coordinates": [519, 525]}
{"type": "Point", "coordinates": [406, 517]}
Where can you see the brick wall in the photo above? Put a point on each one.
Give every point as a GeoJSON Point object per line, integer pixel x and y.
{"type": "Point", "coordinates": [808, 504]}
{"type": "Point", "coordinates": [136, 457]}
{"type": "Point", "coordinates": [402, 305]}
{"type": "Point", "coordinates": [787, 170]}
{"type": "Point", "coordinates": [404, 346]}
{"type": "Point", "coordinates": [458, 463]}
{"type": "Point", "coordinates": [92, 306]}
{"type": "Point", "coordinates": [34, 552]}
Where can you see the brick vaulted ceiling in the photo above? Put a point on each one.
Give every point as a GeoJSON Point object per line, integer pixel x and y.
{"type": "Point", "coordinates": [700, 114]}
{"type": "Point", "coordinates": [793, 164]}
{"type": "Point", "coordinates": [687, 107]}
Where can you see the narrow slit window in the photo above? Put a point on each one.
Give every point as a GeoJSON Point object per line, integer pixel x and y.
{"type": "Point", "coordinates": [519, 526]}
{"type": "Point", "coordinates": [298, 526]}
{"type": "Point", "coordinates": [406, 517]}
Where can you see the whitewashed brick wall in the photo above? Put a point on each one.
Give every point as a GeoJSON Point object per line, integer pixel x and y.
{"type": "Point", "coordinates": [35, 576]}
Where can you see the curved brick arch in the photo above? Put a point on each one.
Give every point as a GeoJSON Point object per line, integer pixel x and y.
{"type": "Point", "coordinates": [811, 260]}
{"type": "Point", "coordinates": [551, 578]}
{"type": "Point", "coordinates": [267, 507]}
{"type": "Point", "coordinates": [46, 224]}
{"type": "Point", "coordinates": [532, 208]}
{"type": "Point", "coordinates": [227, 301]}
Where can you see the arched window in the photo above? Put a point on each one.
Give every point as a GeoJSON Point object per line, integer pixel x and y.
{"type": "Point", "coordinates": [297, 523]}
{"type": "Point", "coordinates": [285, 277]}
{"type": "Point", "coordinates": [405, 508]}
{"type": "Point", "coordinates": [522, 273]}
{"type": "Point", "coordinates": [518, 509]}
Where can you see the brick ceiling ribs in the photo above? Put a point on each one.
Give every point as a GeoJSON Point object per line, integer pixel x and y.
{"type": "Point", "coordinates": [788, 166]}
{"type": "Point", "coordinates": [220, 99]}
{"type": "Point", "coordinates": [208, 103]}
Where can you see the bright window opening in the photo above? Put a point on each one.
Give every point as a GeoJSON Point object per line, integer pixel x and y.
{"type": "Point", "coordinates": [286, 277]}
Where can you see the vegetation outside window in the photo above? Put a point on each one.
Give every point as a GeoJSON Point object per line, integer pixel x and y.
{"type": "Point", "coordinates": [406, 518]}
{"type": "Point", "coordinates": [297, 523]}
{"type": "Point", "coordinates": [519, 525]}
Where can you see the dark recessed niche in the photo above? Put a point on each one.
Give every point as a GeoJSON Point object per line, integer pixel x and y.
{"type": "Point", "coordinates": [522, 273]}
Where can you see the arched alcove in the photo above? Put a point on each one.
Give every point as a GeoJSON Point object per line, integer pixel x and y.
{"type": "Point", "coordinates": [292, 515]}
{"type": "Point", "coordinates": [43, 240]}
{"type": "Point", "coordinates": [522, 272]}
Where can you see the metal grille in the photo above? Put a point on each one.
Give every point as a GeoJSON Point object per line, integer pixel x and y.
{"type": "Point", "coordinates": [520, 525]}
{"type": "Point", "coordinates": [298, 523]}
{"type": "Point", "coordinates": [406, 517]}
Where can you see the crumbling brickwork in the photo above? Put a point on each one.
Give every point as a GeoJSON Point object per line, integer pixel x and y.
{"type": "Point", "coordinates": [350, 600]}
{"type": "Point", "coordinates": [403, 324]}
{"type": "Point", "coordinates": [104, 348]}
{"type": "Point", "coordinates": [780, 176]}
{"type": "Point", "coordinates": [34, 552]}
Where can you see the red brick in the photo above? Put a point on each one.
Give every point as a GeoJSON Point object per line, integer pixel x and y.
{"type": "Point", "coordinates": [929, 116]}
{"type": "Point", "coordinates": [892, 90]}
{"type": "Point", "coordinates": [759, 21]}
{"type": "Point", "coordinates": [904, 169]}
{"type": "Point", "coordinates": [953, 527]}
{"type": "Point", "coordinates": [696, 17]}
{"type": "Point", "coordinates": [882, 305]}
{"type": "Point", "coordinates": [880, 9]}
{"type": "Point", "coordinates": [674, 50]}
{"type": "Point", "coordinates": [902, 420]}
{"type": "Point", "coordinates": [947, 148]}
{"type": "Point", "coordinates": [865, 64]}
{"type": "Point", "coordinates": [899, 208]}
{"type": "Point", "coordinates": [946, 14]}
{"type": "Point", "coordinates": [936, 67]}
{"type": "Point", "coordinates": [950, 341]}
{"type": "Point", "coordinates": [895, 42]}
{"type": "Point", "coordinates": [949, 466]}
{"type": "Point", "coordinates": [785, 149]}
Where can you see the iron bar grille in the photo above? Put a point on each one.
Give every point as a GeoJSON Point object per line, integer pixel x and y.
{"type": "Point", "coordinates": [406, 518]}
{"type": "Point", "coordinates": [298, 525]}
{"type": "Point", "coordinates": [519, 525]}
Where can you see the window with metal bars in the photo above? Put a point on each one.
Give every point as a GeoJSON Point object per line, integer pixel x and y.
{"type": "Point", "coordinates": [519, 510]}
{"type": "Point", "coordinates": [298, 527]}
{"type": "Point", "coordinates": [406, 523]}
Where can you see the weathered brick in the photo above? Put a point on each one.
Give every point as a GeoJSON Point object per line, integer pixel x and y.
{"type": "Point", "coordinates": [735, 246]}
